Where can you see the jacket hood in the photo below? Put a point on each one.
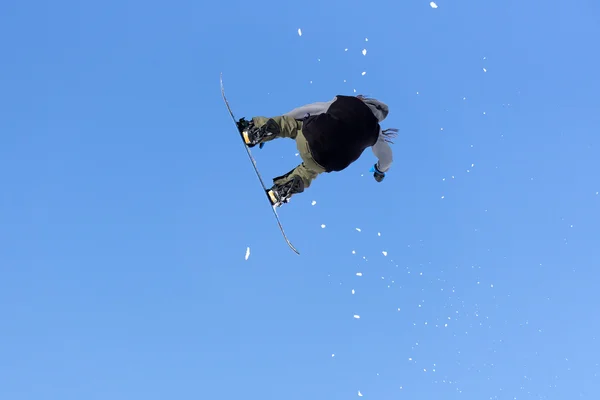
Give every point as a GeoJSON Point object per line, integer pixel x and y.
{"type": "Point", "coordinates": [378, 108]}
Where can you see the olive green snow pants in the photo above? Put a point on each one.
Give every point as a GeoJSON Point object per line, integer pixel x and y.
{"type": "Point", "coordinates": [291, 128]}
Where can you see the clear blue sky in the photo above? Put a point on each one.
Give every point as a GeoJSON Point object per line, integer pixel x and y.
{"type": "Point", "coordinates": [127, 203]}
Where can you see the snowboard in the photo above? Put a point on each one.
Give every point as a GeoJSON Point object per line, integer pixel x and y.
{"type": "Point", "coordinates": [256, 169]}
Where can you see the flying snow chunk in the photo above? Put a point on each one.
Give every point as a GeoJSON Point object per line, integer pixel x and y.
{"type": "Point", "coordinates": [384, 253]}
{"type": "Point", "coordinates": [378, 233]}
{"type": "Point", "coordinates": [353, 291]}
{"type": "Point", "coordinates": [323, 226]}
{"type": "Point", "coordinates": [484, 70]}
{"type": "Point", "coordinates": [299, 32]}
{"type": "Point", "coordinates": [358, 229]}
{"type": "Point", "coordinates": [247, 253]}
{"type": "Point", "coordinates": [313, 203]}
{"type": "Point", "coordinates": [433, 5]}
{"type": "Point", "coordinates": [359, 394]}
{"type": "Point", "coordinates": [359, 274]}
{"type": "Point", "coordinates": [356, 316]}
{"type": "Point", "coordinates": [364, 52]}
{"type": "Point", "coordinates": [364, 72]}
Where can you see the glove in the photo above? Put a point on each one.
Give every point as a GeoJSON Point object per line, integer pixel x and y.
{"type": "Point", "coordinates": [377, 174]}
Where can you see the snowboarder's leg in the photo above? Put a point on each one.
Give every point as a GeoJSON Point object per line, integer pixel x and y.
{"type": "Point", "coordinates": [302, 171]}
{"type": "Point", "coordinates": [288, 126]}
{"type": "Point", "coordinates": [285, 187]}
{"type": "Point", "coordinates": [262, 129]}
{"type": "Point", "coordinates": [294, 182]}
{"type": "Point", "coordinates": [299, 178]}
{"type": "Point", "coordinates": [311, 168]}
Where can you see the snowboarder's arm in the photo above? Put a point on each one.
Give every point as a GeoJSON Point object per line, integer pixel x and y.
{"type": "Point", "coordinates": [312, 109]}
{"type": "Point", "coordinates": [383, 152]}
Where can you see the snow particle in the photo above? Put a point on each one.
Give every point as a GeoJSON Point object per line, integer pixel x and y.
{"type": "Point", "coordinates": [484, 70]}
{"type": "Point", "coordinates": [364, 72]}
{"type": "Point", "coordinates": [359, 274]}
{"type": "Point", "coordinates": [358, 229]}
{"type": "Point", "coordinates": [323, 226]}
{"type": "Point", "coordinates": [384, 253]}
{"type": "Point", "coordinates": [433, 5]}
{"type": "Point", "coordinates": [359, 394]}
{"type": "Point", "coordinates": [313, 202]}
{"type": "Point", "coordinates": [299, 32]}
{"type": "Point", "coordinates": [353, 291]}
{"type": "Point", "coordinates": [364, 52]}
{"type": "Point", "coordinates": [247, 253]}
{"type": "Point", "coordinates": [333, 355]}
{"type": "Point", "coordinates": [345, 49]}
{"type": "Point", "coordinates": [356, 316]}
{"type": "Point", "coordinates": [353, 251]}
{"type": "Point", "coordinates": [378, 233]}
{"type": "Point", "coordinates": [366, 39]}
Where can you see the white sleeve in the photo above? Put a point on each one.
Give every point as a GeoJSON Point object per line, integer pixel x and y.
{"type": "Point", "coordinates": [383, 152]}
{"type": "Point", "coordinates": [312, 109]}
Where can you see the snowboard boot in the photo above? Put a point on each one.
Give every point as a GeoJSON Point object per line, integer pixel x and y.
{"type": "Point", "coordinates": [253, 135]}
{"type": "Point", "coordinates": [280, 194]}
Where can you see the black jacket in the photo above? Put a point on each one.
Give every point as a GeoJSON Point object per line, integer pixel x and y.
{"type": "Point", "coordinates": [338, 137]}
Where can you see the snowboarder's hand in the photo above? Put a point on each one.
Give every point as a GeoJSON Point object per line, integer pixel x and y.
{"type": "Point", "coordinates": [377, 174]}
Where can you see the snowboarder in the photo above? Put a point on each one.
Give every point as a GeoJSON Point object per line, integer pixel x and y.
{"type": "Point", "coordinates": [329, 136]}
